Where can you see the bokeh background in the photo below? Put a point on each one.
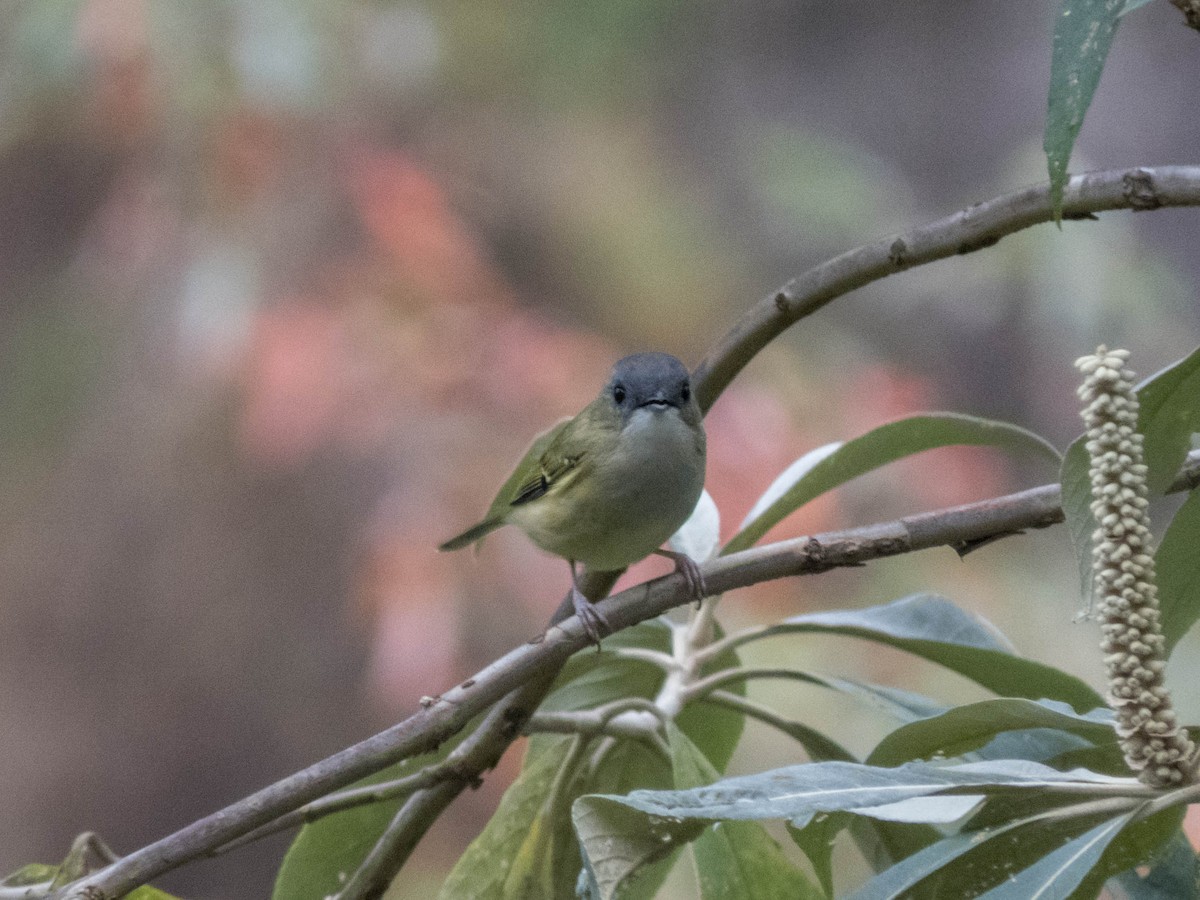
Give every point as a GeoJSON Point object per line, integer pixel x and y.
{"type": "Point", "coordinates": [287, 285]}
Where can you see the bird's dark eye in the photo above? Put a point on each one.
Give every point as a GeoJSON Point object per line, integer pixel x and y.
{"type": "Point", "coordinates": [619, 393]}
{"type": "Point", "coordinates": [685, 392]}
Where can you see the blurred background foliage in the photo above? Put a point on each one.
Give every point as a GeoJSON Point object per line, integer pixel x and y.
{"type": "Point", "coordinates": [286, 286]}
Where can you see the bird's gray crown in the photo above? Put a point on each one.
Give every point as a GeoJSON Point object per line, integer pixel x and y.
{"type": "Point", "coordinates": [650, 379]}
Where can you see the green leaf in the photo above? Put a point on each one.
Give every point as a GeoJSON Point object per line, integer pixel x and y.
{"type": "Point", "coordinates": [618, 842]}
{"type": "Point", "coordinates": [1107, 758]}
{"type": "Point", "coordinates": [528, 850]}
{"type": "Point", "coordinates": [327, 851]}
{"type": "Point", "coordinates": [817, 840]}
{"type": "Point", "coordinates": [799, 792]}
{"type": "Point", "coordinates": [965, 728]}
{"type": "Point", "coordinates": [969, 863]}
{"type": "Point", "coordinates": [629, 767]}
{"type": "Point", "coordinates": [1057, 875]}
{"type": "Point", "coordinates": [912, 870]}
{"type": "Point", "coordinates": [1077, 508]}
{"type": "Point", "coordinates": [881, 842]}
{"type": "Point", "coordinates": [883, 445]}
{"type": "Point", "coordinates": [1142, 841]}
{"type": "Point", "coordinates": [734, 859]}
{"type": "Point", "coordinates": [619, 834]}
{"type": "Point", "coordinates": [1174, 876]}
{"type": "Point", "coordinates": [33, 873]}
{"type": "Point", "coordinates": [483, 870]}
{"type": "Point", "coordinates": [1083, 33]}
{"type": "Point", "coordinates": [1178, 565]}
{"type": "Point", "coordinates": [1168, 416]}
{"type": "Point", "coordinates": [937, 630]}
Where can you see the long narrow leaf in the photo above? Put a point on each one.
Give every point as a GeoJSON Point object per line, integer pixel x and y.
{"type": "Point", "coordinates": [799, 792]}
{"type": "Point", "coordinates": [1083, 33]}
{"type": "Point", "coordinates": [485, 866]}
{"type": "Point", "coordinates": [1169, 413]}
{"type": "Point", "coordinates": [1056, 875]}
{"type": "Point", "coordinates": [883, 445]}
{"type": "Point", "coordinates": [966, 728]}
{"type": "Point", "coordinates": [935, 629]}
{"type": "Point", "coordinates": [911, 871]}
{"type": "Point", "coordinates": [734, 859]}
{"type": "Point", "coordinates": [1175, 875]}
{"type": "Point", "coordinates": [621, 834]}
{"type": "Point", "coordinates": [1077, 508]}
{"type": "Point", "coordinates": [1178, 564]}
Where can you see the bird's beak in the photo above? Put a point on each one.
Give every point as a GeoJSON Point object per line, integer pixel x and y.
{"type": "Point", "coordinates": [657, 401]}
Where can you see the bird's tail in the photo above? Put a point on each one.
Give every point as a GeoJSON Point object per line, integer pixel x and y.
{"type": "Point", "coordinates": [471, 535]}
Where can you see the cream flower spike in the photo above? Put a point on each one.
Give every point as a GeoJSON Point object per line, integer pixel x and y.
{"type": "Point", "coordinates": [1153, 743]}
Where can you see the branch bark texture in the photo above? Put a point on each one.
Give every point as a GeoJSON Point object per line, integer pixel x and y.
{"type": "Point", "coordinates": [968, 230]}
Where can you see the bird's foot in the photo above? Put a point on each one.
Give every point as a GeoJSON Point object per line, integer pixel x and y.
{"type": "Point", "coordinates": [690, 570]}
{"type": "Point", "coordinates": [591, 618]}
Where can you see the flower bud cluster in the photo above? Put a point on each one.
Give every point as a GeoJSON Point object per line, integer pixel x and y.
{"type": "Point", "coordinates": [1153, 743]}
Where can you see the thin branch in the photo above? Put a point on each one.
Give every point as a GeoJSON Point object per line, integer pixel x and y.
{"type": "Point", "coordinates": [602, 720]}
{"type": "Point", "coordinates": [371, 879]}
{"type": "Point", "coordinates": [26, 891]}
{"type": "Point", "coordinates": [593, 721]}
{"type": "Point", "coordinates": [348, 799]}
{"type": "Point", "coordinates": [1183, 796]}
{"type": "Point", "coordinates": [664, 661]}
{"type": "Point", "coordinates": [478, 752]}
{"type": "Point", "coordinates": [699, 689]}
{"type": "Point", "coordinates": [970, 229]}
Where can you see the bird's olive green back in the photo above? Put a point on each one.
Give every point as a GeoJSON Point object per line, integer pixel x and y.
{"type": "Point", "coordinates": [526, 470]}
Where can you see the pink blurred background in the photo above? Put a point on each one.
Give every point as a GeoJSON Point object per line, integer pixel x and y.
{"type": "Point", "coordinates": [286, 288]}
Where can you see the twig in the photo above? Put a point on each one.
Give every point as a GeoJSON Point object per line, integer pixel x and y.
{"type": "Point", "coordinates": [970, 229]}
{"type": "Point", "coordinates": [373, 876]}
{"type": "Point", "coordinates": [603, 720]}
{"type": "Point", "coordinates": [26, 891]}
{"type": "Point", "coordinates": [480, 751]}
{"type": "Point", "coordinates": [593, 721]}
{"type": "Point", "coordinates": [699, 689]}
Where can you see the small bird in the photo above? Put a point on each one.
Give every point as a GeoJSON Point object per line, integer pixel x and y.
{"type": "Point", "coordinates": [611, 485]}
